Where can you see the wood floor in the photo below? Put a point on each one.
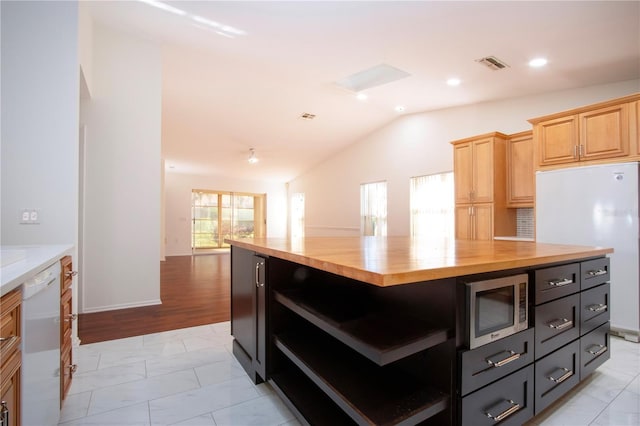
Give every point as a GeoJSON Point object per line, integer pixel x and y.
{"type": "Point", "coordinates": [194, 290]}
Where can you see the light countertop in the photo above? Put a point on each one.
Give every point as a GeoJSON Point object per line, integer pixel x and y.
{"type": "Point", "coordinates": [19, 263]}
{"type": "Point", "coordinates": [390, 261]}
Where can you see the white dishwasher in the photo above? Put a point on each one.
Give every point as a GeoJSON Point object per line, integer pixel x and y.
{"type": "Point", "coordinates": [40, 393]}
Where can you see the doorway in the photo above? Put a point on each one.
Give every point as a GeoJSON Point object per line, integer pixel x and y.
{"type": "Point", "coordinates": [216, 215]}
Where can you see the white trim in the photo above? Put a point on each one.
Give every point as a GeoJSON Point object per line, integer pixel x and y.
{"type": "Point", "coordinates": [122, 306]}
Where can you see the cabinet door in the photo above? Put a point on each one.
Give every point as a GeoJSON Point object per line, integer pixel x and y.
{"type": "Point", "coordinates": [463, 175]}
{"type": "Point", "coordinates": [242, 299]}
{"type": "Point", "coordinates": [10, 388]}
{"type": "Point", "coordinates": [259, 361]}
{"type": "Point", "coordinates": [482, 221]}
{"type": "Point", "coordinates": [604, 132]}
{"type": "Point", "coordinates": [520, 177]}
{"type": "Point", "coordinates": [557, 140]}
{"type": "Point", "coordinates": [463, 222]}
{"type": "Point", "coordinates": [635, 126]}
{"type": "Point", "coordinates": [483, 170]}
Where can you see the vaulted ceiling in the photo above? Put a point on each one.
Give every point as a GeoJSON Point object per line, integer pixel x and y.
{"type": "Point", "coordinates": [239, 75]}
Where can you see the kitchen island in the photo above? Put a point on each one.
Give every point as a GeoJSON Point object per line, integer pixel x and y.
{"type": "Point", "coordinates": [367, 330]}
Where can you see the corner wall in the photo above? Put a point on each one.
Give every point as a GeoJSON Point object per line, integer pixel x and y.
{"type": "Point", "coordinates": [122, 174]}
{"type": "Point", "coordinates": [39, 119]}
{"type": "Point", "coordinates": [416, 145]}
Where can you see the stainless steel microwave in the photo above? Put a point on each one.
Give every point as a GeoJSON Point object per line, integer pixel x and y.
{"type": "Point", "coordinates": [496, 308]}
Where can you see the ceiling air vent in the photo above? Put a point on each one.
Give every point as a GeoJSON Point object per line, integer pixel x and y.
{"type": "Point", "coordinates": [307, 116]}
{"type": "Point", "coordinates": [493, 63]}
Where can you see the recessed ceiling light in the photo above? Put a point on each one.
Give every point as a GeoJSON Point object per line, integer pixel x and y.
{"type": "Point", "coordinates": [399, 108]}
{"type": "Point", "coordinates": [361, 96]}
{"type": "Point", "coordinates": [538, 62]}
{"type": "Point", "coordinates": [454, 81]}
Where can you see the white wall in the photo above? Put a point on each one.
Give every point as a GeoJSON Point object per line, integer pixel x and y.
{"type": "Point", "coordinates": [123, 174]}
{"type": "Point", "coordinates": [178, 189]}
{"type": "Point", "coordinates": [40, 102]}
{"type": "Point", "coordinates": [85, 34]}
{"type": "Point", "coordinates": [416, 145]}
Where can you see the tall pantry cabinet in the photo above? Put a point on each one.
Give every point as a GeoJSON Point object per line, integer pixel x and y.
{"type": "Point", "coordinates": [479, 165]}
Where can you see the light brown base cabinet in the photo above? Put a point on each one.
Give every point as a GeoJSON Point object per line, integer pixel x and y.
{"type": "Point", "coordinates": [10, 357]}
{"type": "Point", "coordinates": [67, 367]}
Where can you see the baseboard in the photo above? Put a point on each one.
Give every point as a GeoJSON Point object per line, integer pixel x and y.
{"type": "Point", "coordinates": [122, 306]}
{"type": "Point", "coordinates": [630, 335]}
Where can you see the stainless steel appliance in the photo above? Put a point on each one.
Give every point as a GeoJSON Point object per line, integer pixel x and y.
{"type": "Point", "coordinates": [597, 206]}
{"type": "Point", "coordinates": [496, 308]}
{"type": "Point", "coordinates": [40, 393]}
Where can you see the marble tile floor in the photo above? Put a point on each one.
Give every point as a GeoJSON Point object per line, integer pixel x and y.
{"type": "Point", "coordinates": [189, 377]}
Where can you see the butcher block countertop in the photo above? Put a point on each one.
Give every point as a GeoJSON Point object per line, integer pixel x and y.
{"type": "Point", "coordinates": [388, 261]}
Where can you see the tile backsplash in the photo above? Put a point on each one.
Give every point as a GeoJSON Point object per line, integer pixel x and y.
{"type": "Point", "coordinates": [524, 223]}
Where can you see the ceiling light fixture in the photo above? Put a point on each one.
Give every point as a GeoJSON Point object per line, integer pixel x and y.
{"type": "Point", "coordinates": [399, 108]}
{"type": "Point", "coordinates": [252, 156]}
{"type": "Point", "coordinates": [361, 96]}
{"type": "Point", "coordinates": [454, 81]}
{"type": "Point", "coordinates": [538, 62]}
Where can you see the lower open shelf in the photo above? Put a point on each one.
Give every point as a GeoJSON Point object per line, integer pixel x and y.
{"type": "Point", "coordinates": [368, 393]}
{"type": "Point", "coordinates": [383, 336]}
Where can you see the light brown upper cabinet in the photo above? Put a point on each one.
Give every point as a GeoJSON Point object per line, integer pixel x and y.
{"type": "Point", "coordinates": [635, 128]}
{"type": "Point", "coordinates": [474, 167]}
{"type": "Point", "coordinates": [479, 171]}
{"type": "Point", "coordinates": [520, 174]}
{"type": "Point", "coordinates": [597, 133]}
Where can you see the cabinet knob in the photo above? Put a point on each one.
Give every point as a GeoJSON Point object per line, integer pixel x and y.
{"type": "Point", "coordinates": [71, 273]}
{"type": "Point", "coordinates": [72, 367]}
{"type": "Point", "coordinates": [71, 317]}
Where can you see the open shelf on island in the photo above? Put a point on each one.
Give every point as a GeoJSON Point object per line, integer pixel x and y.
{"type": "Point", "coordinates": [368, 393]}
{"type": "Point", "coordinates": [381, 334]}
{"type": "Point", "coordinates": [306, 400]}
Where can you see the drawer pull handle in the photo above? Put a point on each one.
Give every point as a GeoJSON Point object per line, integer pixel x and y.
{"type": "Point", "coordinates": [71, 317]}
{"type": "Point", "coordinates": [7, 339]}
{"type": "Point", "coordinates": [561, 283]}
{"type": "Point", "coordinates": [601, 349]}
{"type": "Point", "coordinates": [4, 414]}
{"type": "Point", "coordinates": [514, 406]}
{"type": "Point", "coordinates": [598, 308]}
{"type": "Point", "coordinates": [561, 324]}
{"type": "Point", "coordinates": [512, 357]}
{"type": "Point", "coordinates": [71, 273]}
{"type": "Point", "coordinates": [72, 368]}
{"type": "Point", "coordinates": [597, 272]}
{"type": "Point", "coordinates": [567, 373]}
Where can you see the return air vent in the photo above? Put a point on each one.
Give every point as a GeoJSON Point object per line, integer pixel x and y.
{"type": "Point", "coordinates": [493, 63]}
{"type": "Point", "coordinates": [307, 116]}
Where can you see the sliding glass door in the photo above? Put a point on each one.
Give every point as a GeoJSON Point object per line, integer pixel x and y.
{"type": "Point", "coordinates": [218, 215]}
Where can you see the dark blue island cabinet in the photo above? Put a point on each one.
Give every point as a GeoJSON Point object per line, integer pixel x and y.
{"type": "Point", "coordinates": [344, 340]}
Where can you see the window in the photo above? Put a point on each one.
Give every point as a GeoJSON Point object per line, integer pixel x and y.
{"type": "Point", "coordinates": [297, 215]}
{"type": "Point", "coordinates": [373, 209]}
{"type": "Point", "coordinates": [432, 206]}
{"type": "Point", "coordinates": [220, 215]}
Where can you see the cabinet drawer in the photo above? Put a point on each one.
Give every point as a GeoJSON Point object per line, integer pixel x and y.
{"type": "Point", "coordinates": [559, 281]}
{"type": "Point", "coordinates": [509, 400]}
{"type": "Point", "coordinates": [10, 305]}
{"type": "Point", "coordinates": [595, 308]}
{"type": "Point", "coordinates": [595, 272]}
{"type": "Point", "coordinates": [594, 350]}
{"type": "Point", "coordinates": [557, 323]}
{"type": "Point", "coordinates": [556, 374]}
{"type": "Point", "coordinates": [495, 360]}
{"type": "Point", "coordinates": [66, 275]}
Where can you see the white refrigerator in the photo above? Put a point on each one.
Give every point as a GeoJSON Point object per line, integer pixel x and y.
{"type": "Point", "coordinates": [597, 206]}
